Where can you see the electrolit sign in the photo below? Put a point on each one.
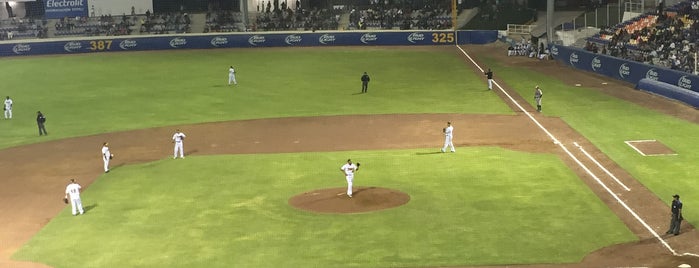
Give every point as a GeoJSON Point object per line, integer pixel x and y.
{"type": "Point", "coordinates": [72, 46]}
{"type": "Point", "coordinates": [219, 41]}
{"type": "Point", "coordinates": [652, 74]}
{"type": "Point", "coordinates": [326, 38]}
{"type": "Point", "coordinates": [368, 38]}
{"type": "Point", "coordinates": [256, 39]}
{"type": "Point", "coordinates": [684, 82]}
{"type": "Point", "coordinates": [292, 39]}
{"type": "Point", "coordinates": [178, 42]}
{"type": "Point", "coordinates": [596, 64]}
{"type": "Point", "coordinates": [624, 70]}
{"type": "Point", "coordinates": [128, 44]}
{"type": "Point", "coordinates": [55, 9]}
{"type": "Point", "coordinates": [20, 49]}
{"type": "Point", "coordinates": [416, 37]}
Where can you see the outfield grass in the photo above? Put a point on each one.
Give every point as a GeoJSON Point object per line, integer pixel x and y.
{"type": "Point", "coordinates": [98, 93]}
{"type": "Point", "coordinates": [607, 122]}
{"type": "Point", "coordinates": [222, 211]}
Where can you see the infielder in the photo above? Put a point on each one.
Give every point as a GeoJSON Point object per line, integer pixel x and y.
{"type": "Point", "coordinates": [8, 108]}
{"type": "Point", "coordinates": [106, 156]}
{"type": "Point", "coordinates": [73, 190]}
{"type": "Point", "coordinates": [537, 97]}
{"type": "Point", "coordinates": [489, 75]}
{"type": "Point", "coordinates": [349, 169]}
{"type": "Point", "coordinates": [178, 139]}
{"type": "Point", "coordinates": [231, 76]}
{"type": "Point", "coordinates": [448, 136]}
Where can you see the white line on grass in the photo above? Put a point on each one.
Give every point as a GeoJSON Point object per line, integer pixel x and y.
{"type": "Point", "coordinates": [634, 147]}
{"type": "Point", "coordinates": [555, 141]}
{"type": "Point", "coordinates": [601, 167]}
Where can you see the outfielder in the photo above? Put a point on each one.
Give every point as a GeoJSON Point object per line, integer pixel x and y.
{"type": "Point", "coordinates": [178, 139]}
{"type": "Point", "coordinates": [537, 97]}
{"type": "Point", "coordinates": [231, 76]}
{"type": "Point", "coordinates": [349, 169]}
{"type": "Point", "coordinates": [73, 190]}
{"type": "Point", "coordinates": [8, 108]}
{"type": "Point", "coordinates": [106, 156]}
{"type": "Point", "coordinates": [448, 136]}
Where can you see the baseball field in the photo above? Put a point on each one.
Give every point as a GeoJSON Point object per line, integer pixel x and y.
{"type": "Point", "coordinates": [585, 183]}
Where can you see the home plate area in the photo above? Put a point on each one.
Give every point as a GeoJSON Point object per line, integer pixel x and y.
{"type": "Point", "coordinates": [650, 147]}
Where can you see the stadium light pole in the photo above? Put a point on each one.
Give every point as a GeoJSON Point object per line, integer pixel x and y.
{"type": "Point", "coordinates": [453, 14]}
{"type": "Point", "coordinates": [549, 21]}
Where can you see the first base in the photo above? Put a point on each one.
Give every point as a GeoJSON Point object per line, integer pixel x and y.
{"type": "Point", "coordinates": [577, 85]}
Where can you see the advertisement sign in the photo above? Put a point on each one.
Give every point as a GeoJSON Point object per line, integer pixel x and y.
{"type": "Point", "coordinates": [629, 71]}
{"type": "Point", "coordinates": [56, 9]}
{"type": "Point", "coordinates": [243, 40]}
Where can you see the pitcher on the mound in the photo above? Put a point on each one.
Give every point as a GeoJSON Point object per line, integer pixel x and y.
{"type": "Point", "coordinates": [349, 169]}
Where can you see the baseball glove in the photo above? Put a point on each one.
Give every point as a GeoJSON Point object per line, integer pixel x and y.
{"type": "Point", "coordinates": [65, 200]}
{"type": "Point", "coordinates": [111, 156]}
{"type": "Point", "coordinates": [358, 164]}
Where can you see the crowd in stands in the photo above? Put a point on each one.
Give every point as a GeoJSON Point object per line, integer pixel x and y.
{"type": "Point", "coordinates": [101, 25]}
{"type": "Point", "coordinates": [279, 16]}
{"type": "Point", "coordinates": [433, 15]}
{"type": "Point", "coordinates": [15, 28]}
{"type": "Point", "coordinates": [166, 23]}
{"type": "Point", "coordinates": [666, 38]}
{"type": "Point", "coordinates": [527, 47]}
{"type": "Point", "coordinates": [224, 21]}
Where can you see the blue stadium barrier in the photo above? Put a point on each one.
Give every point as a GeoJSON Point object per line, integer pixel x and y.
{"type": "Point", "coordinates": [625, 70]}
{"type": "Point", "coordinates": [670, 91]}
{"type": "Point", "coordinates": [242, 40]}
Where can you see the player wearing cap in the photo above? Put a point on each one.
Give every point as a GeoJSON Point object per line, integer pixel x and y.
{"type": "Point", "coordinates": [676, 209]}
{"type": "Point", "coordinates": [73, 191]}
{"type": "Point", "coordinates": [448, 136]}
{"type": "Point", "coordinates": [178, 139]}
{"type": "Point", "coordinates": [349, 169]}
{"type": "Point", "coordinates": [106, 156]}
{"type": "Point", "coordinates": [489, 75]}
{"type": "Point", "coordinates": [8, 108]}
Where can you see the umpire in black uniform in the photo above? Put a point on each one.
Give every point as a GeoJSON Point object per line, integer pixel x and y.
{"type": "Point", "coordinates": [40, 120]}
{"type": "Point", "coordinates": [676, 216]}
{"type": "Point", "coordinates": [365, 82]}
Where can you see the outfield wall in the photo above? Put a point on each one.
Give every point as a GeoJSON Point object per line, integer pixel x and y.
{"type": "Point", "coordinates": [630, 71]}
{"type": "Point", "coordinates": [243, 40]}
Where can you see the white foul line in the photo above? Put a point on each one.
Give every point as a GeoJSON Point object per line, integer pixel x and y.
{"type": "Point", "coordinates": [555, 141]}
{"type": "Point", "coordinates": [601, 167]}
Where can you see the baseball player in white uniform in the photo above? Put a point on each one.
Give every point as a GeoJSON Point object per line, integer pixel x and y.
{"type": "Point", "coordinates": [106, 156]}
{"type": "Point", "coordinates": [178, 139]}
{"type": "Point", "coordinates": [8, 108]}
{"type": "Point", "coordinates": [73, 191]}
{"type": "Point", "coordinates": [448, 136]}
{"type": "Point", "coordinates": [349, 169]}
{"type": "Point", "coordinates": [231, 76]}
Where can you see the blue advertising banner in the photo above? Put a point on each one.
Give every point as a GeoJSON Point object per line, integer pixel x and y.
{"type": "Point", "coordinates": [242, 40]}
{"type": "Point", "coordinates": [629, 71]}
{"type": "Point", "coordinates": [56, 9]}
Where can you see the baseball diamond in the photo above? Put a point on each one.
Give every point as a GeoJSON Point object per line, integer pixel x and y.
{"type": "Point", "coordinates": [292, 159]}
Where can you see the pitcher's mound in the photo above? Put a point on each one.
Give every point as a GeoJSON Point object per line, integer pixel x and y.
{"type": "Point", "coordinates": [335, 200]}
